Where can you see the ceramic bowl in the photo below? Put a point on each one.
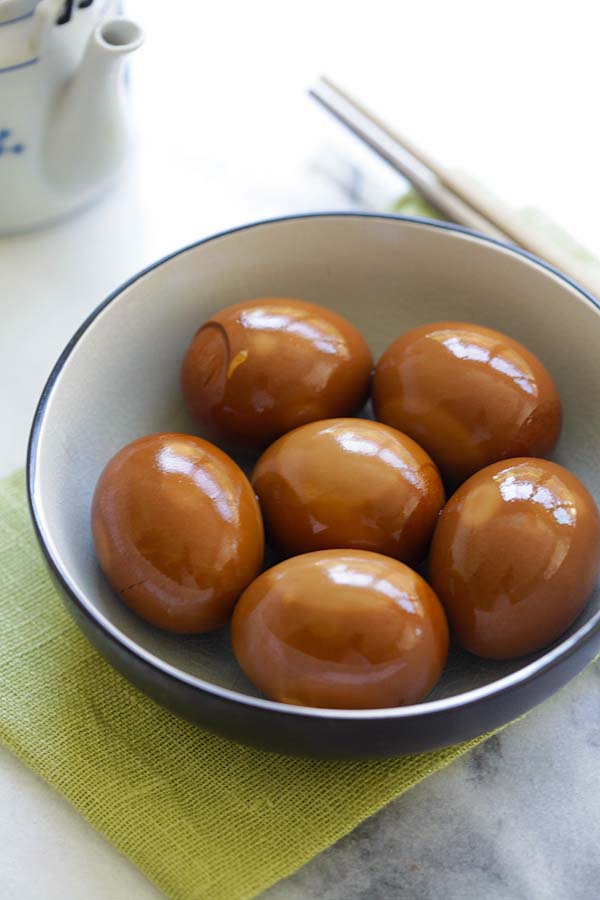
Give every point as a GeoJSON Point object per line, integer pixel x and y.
{"type": "Point", "coordinates": [118, 378]}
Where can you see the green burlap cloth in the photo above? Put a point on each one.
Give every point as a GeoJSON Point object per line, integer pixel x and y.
{"type": "Point", "coordinates": [202, 817]}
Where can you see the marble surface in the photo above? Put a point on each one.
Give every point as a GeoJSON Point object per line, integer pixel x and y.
{"type": "Point", "coordinates": [519, 818]}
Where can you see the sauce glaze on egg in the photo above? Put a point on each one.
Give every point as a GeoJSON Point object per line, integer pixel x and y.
{"type": "Point", "coordinates": [515, 556]}
{"type": "Point", "coordinates": [177, 531]}
{"type": "Point", "coordinates": [349, 483]}
{"type": "Point", "coordinates": [260, 368]}
{"type": "Point", "coordinates": [469, 395]}
{"type": "Point", "coordinates": [344, 629]}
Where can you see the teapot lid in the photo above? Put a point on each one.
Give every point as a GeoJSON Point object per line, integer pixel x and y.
{"type": "Point", "coordinates": [15, 10]}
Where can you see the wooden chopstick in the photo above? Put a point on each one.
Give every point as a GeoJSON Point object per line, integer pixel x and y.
{"type": "Point", "coordinates": [385, 146]}
{"type": "Point", "coordinates": [454, 195]}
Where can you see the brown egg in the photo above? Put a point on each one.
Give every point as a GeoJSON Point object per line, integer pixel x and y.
{"type": "Point", "coordinates": [261, 368]}
{"type": "Point", "coordinates": [515, 556]}
{"type": "Point", "coordinates": [469, 395]}
{"type": "Point", "coordinates": [344, 629]}
{"type": "Point", "coordinates": [177, 531]}
{"type": "Point", "coordinates": [349, 483]}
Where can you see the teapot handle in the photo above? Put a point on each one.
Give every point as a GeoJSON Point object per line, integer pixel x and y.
{"type": "Point", "coordinates": [44, 17]}
{"type": "Point", "coordinates": [67, 12]}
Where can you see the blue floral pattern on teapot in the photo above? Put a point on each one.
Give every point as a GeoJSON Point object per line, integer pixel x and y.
{"type": "Point", "coordinates": [6, 145]}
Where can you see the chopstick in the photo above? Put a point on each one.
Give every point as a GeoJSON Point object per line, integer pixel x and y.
{"type": "Point", "coordinates": [384, 144]}
{"type": "Point", "coordinates": [452, 194]}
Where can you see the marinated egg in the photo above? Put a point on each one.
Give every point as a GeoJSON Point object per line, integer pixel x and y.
{"type": "Point", "coordinates": [177, 531]}
{"type": "Point", "coordinates": [345, 629]}
{"type": "Point", "coordinates": [469, 395]}
{"type": "Point", "coordinates": [261, 368]}
{"type": "Point", "coordinates": [515, 556]}
{"type": "Point", "coordinates": [349, 483]}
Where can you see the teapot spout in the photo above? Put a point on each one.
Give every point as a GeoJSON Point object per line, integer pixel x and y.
{"type": "Point", "coordinates": [88, 134]}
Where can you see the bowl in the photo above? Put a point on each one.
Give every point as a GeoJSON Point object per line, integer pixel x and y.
{"type": "Point", "coordinates": [118, 379]}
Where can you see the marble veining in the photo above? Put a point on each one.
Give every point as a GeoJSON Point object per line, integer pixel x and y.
{"type": "Point", "coordinates": [518, 818]}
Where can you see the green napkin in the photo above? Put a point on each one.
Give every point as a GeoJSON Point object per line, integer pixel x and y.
{"type": "Point", "coordinates": [202, 817]}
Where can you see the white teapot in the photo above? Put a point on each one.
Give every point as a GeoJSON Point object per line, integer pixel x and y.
{"type": "Point", "coordinates": [63, 117]}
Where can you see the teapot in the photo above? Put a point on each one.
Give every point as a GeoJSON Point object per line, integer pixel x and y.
{"type": "Point", "coordinates": [64, 131]}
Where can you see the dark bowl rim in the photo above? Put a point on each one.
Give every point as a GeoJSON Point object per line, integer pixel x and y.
{"type": "Point", "coordinates": [508, 683]}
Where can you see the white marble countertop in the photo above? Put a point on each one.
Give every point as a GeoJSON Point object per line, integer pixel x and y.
{"type": "Point", "coordinates": [225, 136]}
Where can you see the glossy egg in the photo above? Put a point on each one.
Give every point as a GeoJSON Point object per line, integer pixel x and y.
{"type": "Point", "coordinates": [469, 395]}
{"type": "Point", "coordinates": [343, 629]}
{"type": "Point", "coordinates": [177, 531]}
{"type": "Point", "coordinates": [261, 368]}
{"type": "Point", "coordinates": [349, 483]}
{"type": "Point", "coordinates": [515, 556]}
